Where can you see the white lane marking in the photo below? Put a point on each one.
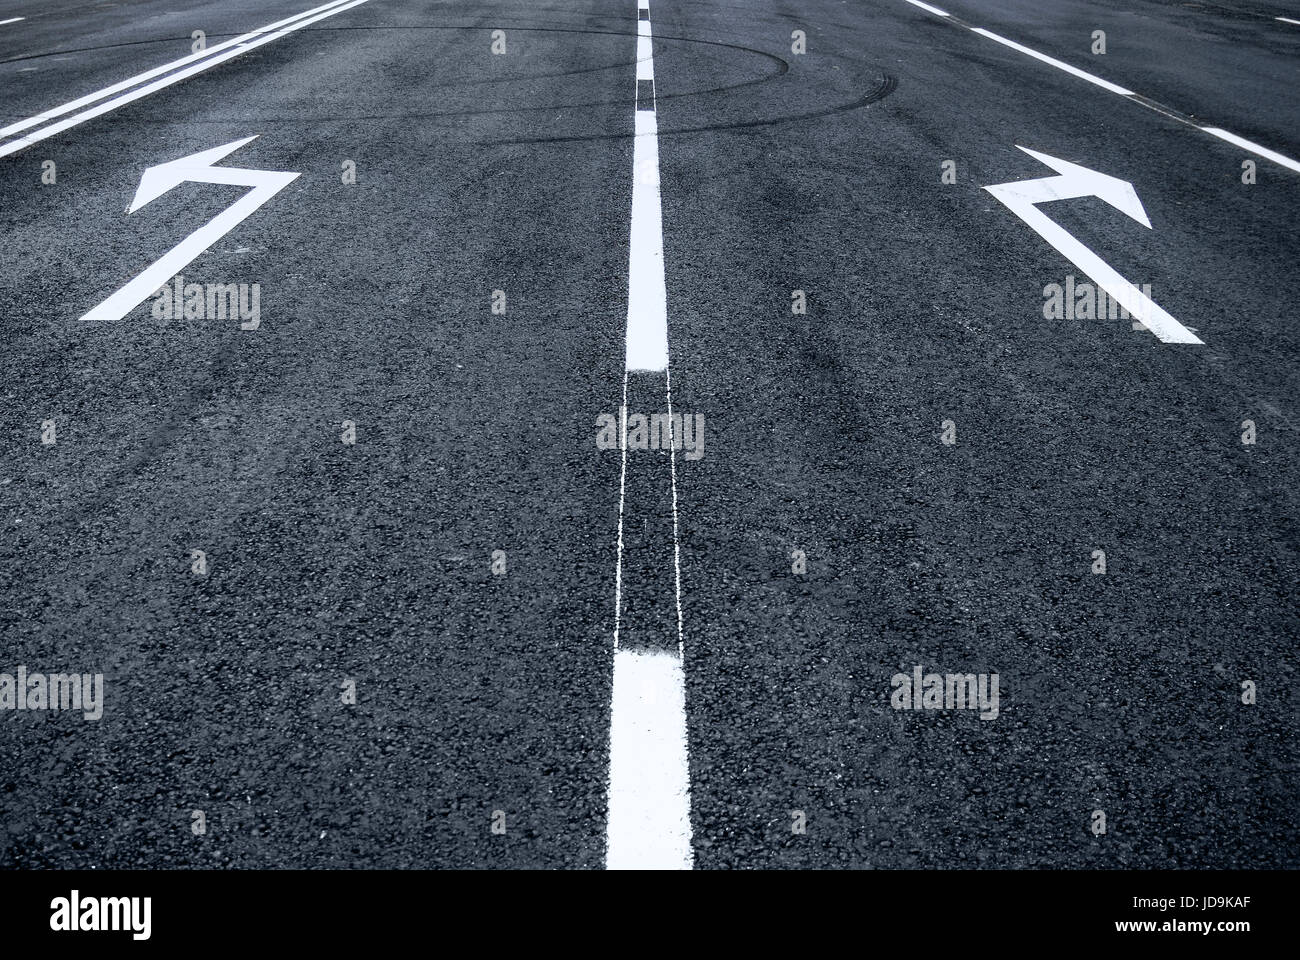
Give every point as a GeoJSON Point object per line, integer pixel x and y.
{"type": "Point", "coordinates": [645, 69]}
{"type": "Point", "coordinates": [647, 318]}
{"type": "Point", "coordinates": [925, 6]}
{"type": "Point", "coordinates": [156, 181]}
{"type": "Point", "coordinates": [1124, 92]}
{"type": "Point", "coordinates": [647, 299]}
{"type": "Point", "coordinates": [1060, 65]}
{"type": "Point", "coordinates": [677, 542]}
{"type": "Point", "coordinates": [1253, 148]}
{"type": "Point", "coordinates": [1021, 197]}
{"type": "Point", "coordinates": [649, 773]}
{"type": "Point", "coordinates": [649, 800]}
{"type": "Point", "coordinates": [16, 19]}
{"type": "Point", "coordinates": [229, 50]}
{"type": "Point", "coordinates": [647, 303]}
{"type": "Point", "coordinates": [622, 497]}
{"type": "Point", "coordinates": [1289, 20]}
{"type": "Point", "coordinates": [157, 71]}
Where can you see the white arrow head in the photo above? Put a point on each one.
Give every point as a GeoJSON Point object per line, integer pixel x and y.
{"type": "Point", "coordinates": [1089, 183]}
{"type": "Point", "coordinates": [157, 180]}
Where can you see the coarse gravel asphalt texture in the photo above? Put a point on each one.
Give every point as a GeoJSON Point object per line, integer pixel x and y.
{"type": "Point", "coordinates": [370, 564]}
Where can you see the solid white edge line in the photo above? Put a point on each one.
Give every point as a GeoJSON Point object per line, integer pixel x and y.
{"type": "Point", "coordinates": [202, 60]}
{"type": "Point", "coordinates": [1060, 65]}
{"type": "Point", "coordinates": [925, 6]}
{"type": "Point", "coordinates": [156, 71]}
{"type": "Point", "coordinates": [1253, 148]}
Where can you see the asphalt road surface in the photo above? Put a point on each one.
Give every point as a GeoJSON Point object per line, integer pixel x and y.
{"type": "Point", "coordinates": [386, 570]}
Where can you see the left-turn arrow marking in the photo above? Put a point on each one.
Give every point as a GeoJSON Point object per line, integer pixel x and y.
{"type": "Point", "coordinates": [156, 181]}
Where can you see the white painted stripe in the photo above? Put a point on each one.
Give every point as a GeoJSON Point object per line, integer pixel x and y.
{"type": "Point", "coordinates": [645, 65]}
{"type": "Point", "coordinates": [157, 71]}
{"type": "Point", "coordinates": [647, 298]}
{"type": "Point", "coordinates": [1083, 74]}
{"type": "Point", "coordinates": [1289, 20]}
{"type": "Point", "coordinates": [1122, 91]}
{"type": "Point", "coordinates": [1253, 148]}
{"type": "Point", "coordinates": [649, 774]}
{"type": "Point", "coordinates": [649, 811]}
{"type": "Point", "coordinates": [205, 62]}
{"type": "Point", "coordinates": [622, 498]}
{"type": "Point", "coordinates": [677, 542]}
{"type": "Point", "coordinates": [925, 6]}
{"type": "Point", "coordinates": [11, 20]}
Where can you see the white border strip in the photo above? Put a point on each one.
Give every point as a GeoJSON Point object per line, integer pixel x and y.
{"type": "Point", "coordinates": [206, 59]}
{"type": "Point", "coordinates": [150, 74]}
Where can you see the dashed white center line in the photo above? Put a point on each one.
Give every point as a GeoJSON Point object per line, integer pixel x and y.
{"type": "Point", "coordinates": [1082, 74]}
{"type": "Point", "coordinates": [1289, 20]}
{"type": "Point", "coordinates": [649, 811]}
{"type": "Point", "coordinates": [649, 819]}
{"type": "Point", "coordinates": [647, 310]}
{"type": "Point", "coordinates": [925, 6]}
{"type": "Point", "coordinates": [1253, 148]}
{"type": "Point", "coordinates": [11, 20]}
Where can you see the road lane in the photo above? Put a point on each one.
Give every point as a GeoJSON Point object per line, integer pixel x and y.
{"type": "Point", "coordinates": [1119, 692]}
{"type": "Point", "coordinates": [327, 563]}
{"type": "Point", "coordinates": [836, 305]}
